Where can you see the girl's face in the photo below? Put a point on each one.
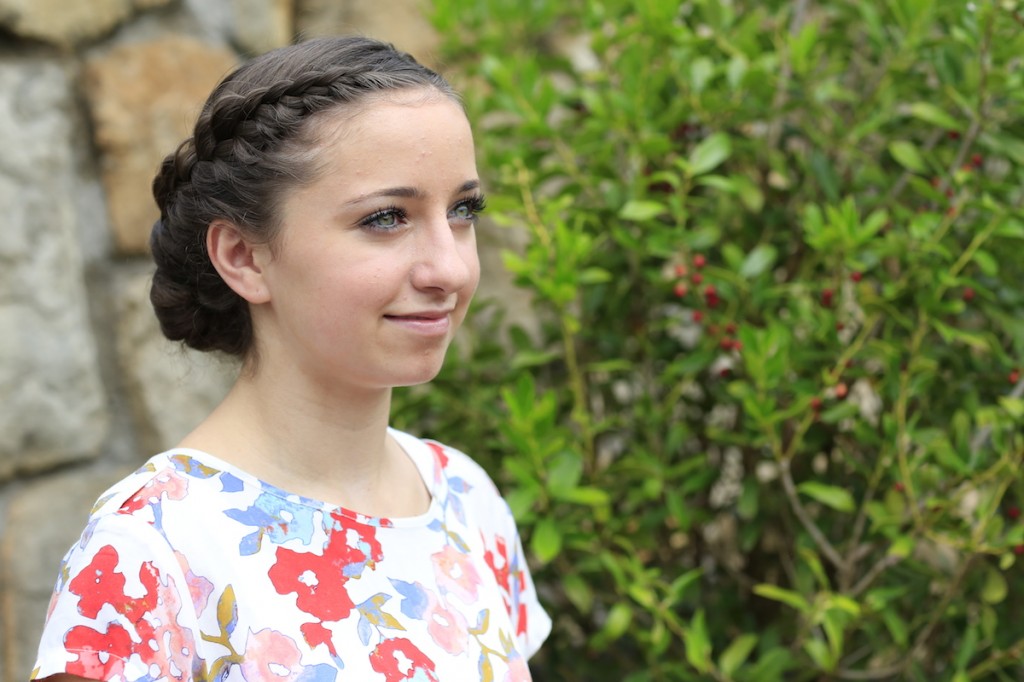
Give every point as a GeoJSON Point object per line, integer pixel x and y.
{"type": "Point", "coordinates": [375, 262]}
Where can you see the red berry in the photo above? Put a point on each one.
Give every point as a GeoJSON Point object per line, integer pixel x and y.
{"type": "Point", "coordinates": [1014, 376]}
{"type": "Point", "coordinates": [968, 294]}
{"type": "Point", "coordinates": [953, 135]}
{"type": "Point", "coordinates": [816, 404]}
{"type": "Point", "coordinates": [681, 270]}
{"type": "Point", "coordinates": [857, 276]}
{"type": "Point", "coordinates": [936, 181]}
{"type": "Point", "coordinates": [711, 296]}
{"type": "Point", "coordinates": [977, 160]}
{"type": "Point", "coordinates": [697, 316]}
{"type": "Point", "coordinates": [680, 290]}
{"type": "Point", "coordinates": [737, 346]}
{"type": "Point", "coordinates": [1018, 550]}
{"type": "Point", "coordinates": [826, 297]}
{"type": "Point", "coordinates": [730, 328]}
{"type": "Point", "coordinates": [841, 390]}
{"type": "Point", "coordinates": [725, 372]}
{"type": "Point", "coordinates": [699, 261]}
{"type": "Point", "coordinates": [697, 278]}
{"type": "Point", "coordinates": [898, 487]}
{"type": "Point", "coordinates": [725, 344]}
{"type": "Point", "coordinates": [840, 326]}
{"type": "Point", "coordinates": [1013, 513]}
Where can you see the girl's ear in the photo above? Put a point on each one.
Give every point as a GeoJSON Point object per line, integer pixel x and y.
{"type": "Point", "coordinates": [239, 261]}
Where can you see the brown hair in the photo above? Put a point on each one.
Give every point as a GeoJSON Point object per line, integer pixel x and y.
{"type": "Point", "coordinates": [253, 141]}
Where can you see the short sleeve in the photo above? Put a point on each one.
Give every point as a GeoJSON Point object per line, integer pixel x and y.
{"type": "Point", "coordinates": [121, 609]}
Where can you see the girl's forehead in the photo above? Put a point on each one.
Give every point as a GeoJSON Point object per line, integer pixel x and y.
{"type": "Point", "coordinates": [350, 117]}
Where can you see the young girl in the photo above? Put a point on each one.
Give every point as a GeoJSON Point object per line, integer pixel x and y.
{"type": "Point", "coordinates": [319, 224]}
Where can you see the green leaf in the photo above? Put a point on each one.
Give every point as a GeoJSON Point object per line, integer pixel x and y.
{"type": "Point", "coordinates": [563, 472]}
{"type": "Point", "coordinates": [929, 113]}
{"type": "Point", "coordinates": [1013, 406]}
{"type": "Point", "coordinates": [586, 495]}
{"type": "Point", "coordinates": [906, 155]}
{"type": "Point", "coordinates": [736, 654]}
{"type": "Point", "coordinates": [954, 335]}
{"type": "Point", "coordinates": [896, 626]}
{"type": "Point", "coordinates": [641, 210]}
{"type": "Point", "coordinates": [986, 262]}
{"type": "Point", "coordinates": [594, 276]}
{"type": "Point", "coordinates": [838, 498]}
{"type": "Point", "coordinates": [697, 643]}
{"type": "Point", "coordinates": [757, 261]}
{"type": "Point", "coordinates": [578, 592]}
{"type": "Point", "coordinates": [701, 70]}
{"type": "Point", "coordinates": [619, 619]}
{"type": "Point", "coordinates": [710, 153]}
{"type": "Point", "coordinates": [533, 358]}
{"type": "Point", "coordinates": [819, 652]}
{"type": "Point", "coordinates": [546, 541]}
{"type": "Point", "coordinates": [902, 546]}
{"type": "Point", "coordinates": [679, 586]}
{"type": "Point", "coordinates": [995, 588]}
{"type": "Point", "coordinates": [789, 597]}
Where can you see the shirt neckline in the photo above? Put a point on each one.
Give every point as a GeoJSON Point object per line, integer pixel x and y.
{"type": "Point", "coordinates": [422, 456]}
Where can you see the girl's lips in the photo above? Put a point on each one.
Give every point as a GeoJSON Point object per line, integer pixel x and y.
{"type": "Point", "coordinates": [428, 324]}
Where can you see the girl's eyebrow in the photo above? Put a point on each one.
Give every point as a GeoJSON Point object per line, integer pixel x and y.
{"type": "Point", "coordinates": [408, 192]}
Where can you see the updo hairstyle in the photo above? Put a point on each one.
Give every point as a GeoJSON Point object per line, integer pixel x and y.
{"type": "Point", "coordinates": [254, 141]}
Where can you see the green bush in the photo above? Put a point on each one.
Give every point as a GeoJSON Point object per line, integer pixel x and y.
{"type": "Point", "coordinates": [769, 423]}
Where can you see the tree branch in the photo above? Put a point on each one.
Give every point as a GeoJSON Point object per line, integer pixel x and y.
{"type": "Point", "coordinates": [805, 519]}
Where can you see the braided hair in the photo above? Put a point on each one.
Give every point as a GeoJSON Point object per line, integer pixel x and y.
{"type": "Point", "coordinates": [254, 140]}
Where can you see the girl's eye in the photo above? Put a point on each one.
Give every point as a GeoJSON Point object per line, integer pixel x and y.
{"type": "Point", "coordinates": [469, 209]}
{"type": "Point", "coordinates": [384, 220]}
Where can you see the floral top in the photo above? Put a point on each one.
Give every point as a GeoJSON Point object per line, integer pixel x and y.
{"type": "Point", "coordinates": [190, 569]}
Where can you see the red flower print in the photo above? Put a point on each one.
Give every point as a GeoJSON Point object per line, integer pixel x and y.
{"type": "Point", "coordinates": [499, 568]}
{"type": "Point", "coordinates": [199, 588]}
{"type": "Point", "coordinates": [318, 580]}
{"type": "Point", "coordinates": [521, 620]}
{"type": "Point", "coordinates": [398, 659]}
{"type": "Point", "coordinates": [456, 573]}
{"type": "Point", "coordinates": [169, 483]}
{"type": "Point", "coordinates": [99, 583]}
{"type": "Point", "coordinates": [316, 634]}
{"type": "Point", "coordinates": [101, 655]}
{"type": "Point", "coordinates": [518, 671]}
{"type": "Point", "coordinates": [439, 453]}
{"type": "Point", "coordinates": [162, 644]}
{"type": "Point", "coordinates": [447, 627]}
{"type": "Point", "coordinates": [270, 655]}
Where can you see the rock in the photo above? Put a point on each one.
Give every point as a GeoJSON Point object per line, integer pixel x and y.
{"type": "Point", "coordinates": [144, 99]}
{"type": "Point", "coordinates": [401, 22]}
{"type": "Point", "coordinates": [314, 18]}
{"type": "Point", "coordinates": [30, 556]}
{"type": "Point", "coordinates": [66, 23]}
{"type": "Point", "coordinates": [262, 25]}
{"type": "Point", "coordinates": [172, 388]}
{"type": "Point", "coordinates": [54, 400]}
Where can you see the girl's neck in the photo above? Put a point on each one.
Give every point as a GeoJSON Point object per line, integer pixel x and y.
{"type": "Point", "coordinates": [325, 443]}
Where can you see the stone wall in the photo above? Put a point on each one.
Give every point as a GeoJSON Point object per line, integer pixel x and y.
{"type": "Point", "coordinates": [92, 94]}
